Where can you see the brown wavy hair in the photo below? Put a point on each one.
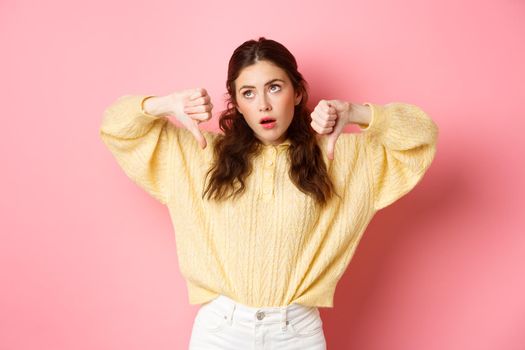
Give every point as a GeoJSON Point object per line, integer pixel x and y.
{"type": "Point", "coordinates": [234, 150]}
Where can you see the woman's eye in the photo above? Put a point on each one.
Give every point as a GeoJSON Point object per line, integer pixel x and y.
{"type": "Point", "coordinates": [276, 85]}
{"type": "Point", "coordinates": [271, 86]}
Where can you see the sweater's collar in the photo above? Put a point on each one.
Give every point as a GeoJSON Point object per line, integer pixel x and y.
{"type": "Point", "coordinates": [286, 143]}
{"type": "Point", "coordinates": [283, 144]}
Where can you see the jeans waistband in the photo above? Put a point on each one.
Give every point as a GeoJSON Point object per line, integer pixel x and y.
{"type": "Point", "coordinates": [254, 315]}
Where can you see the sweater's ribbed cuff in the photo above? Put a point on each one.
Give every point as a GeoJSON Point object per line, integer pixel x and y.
{"type": "Point", "coordinates": [135, 103]}
{"type": "Point", "coordinates": [144, 98]}
{"type": "Point", "coordinates": [125, 119]}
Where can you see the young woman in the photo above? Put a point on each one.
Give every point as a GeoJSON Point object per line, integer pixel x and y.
{"type": "Point", "coordinates": [268, 213]}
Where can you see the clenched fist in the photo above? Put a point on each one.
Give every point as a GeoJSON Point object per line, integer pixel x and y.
{"type": "Point", "coordinates": [191, 107]}
{"type": "Point", "coordinates": [330, 117]}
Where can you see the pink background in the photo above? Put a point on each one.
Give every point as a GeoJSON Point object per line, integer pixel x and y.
{"type": "Point", "coordinates": [87, 259]}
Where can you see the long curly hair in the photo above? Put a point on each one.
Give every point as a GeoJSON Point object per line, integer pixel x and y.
{"type": "Point", "coordinates": [234, 150]}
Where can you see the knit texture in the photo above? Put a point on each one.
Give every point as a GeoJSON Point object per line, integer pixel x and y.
{"type": "Point", "coordinates": [272, 246]}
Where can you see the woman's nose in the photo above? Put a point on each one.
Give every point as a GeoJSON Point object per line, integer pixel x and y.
{"type": "Point", "coordinates": [264, 105]}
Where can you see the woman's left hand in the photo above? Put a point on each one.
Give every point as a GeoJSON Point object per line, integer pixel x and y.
{"type": "Point", "coordinates": [330, 117]}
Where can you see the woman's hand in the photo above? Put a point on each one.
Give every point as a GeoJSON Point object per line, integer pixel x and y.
{"type": "Point", "coordinates": [330, 117]}
{"type": "Point", "coordinates": [191, 107]}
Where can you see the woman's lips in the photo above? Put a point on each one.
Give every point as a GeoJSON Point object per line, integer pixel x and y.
{"type": "Point", "coordinates": [268, 122]}
{"type": "Point", "coordinates": [266, 118]}
{"type": "Point", "coordinates": [269, 125]}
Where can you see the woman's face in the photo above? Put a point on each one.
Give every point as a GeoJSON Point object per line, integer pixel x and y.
{"type": "Point", "coordinates": [264, 90]}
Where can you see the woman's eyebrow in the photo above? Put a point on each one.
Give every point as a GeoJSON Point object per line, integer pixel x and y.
{"type": "Point", "coordinates": [268, 83]}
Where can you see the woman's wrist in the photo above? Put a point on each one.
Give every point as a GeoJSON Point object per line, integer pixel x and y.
{"type": "Point", "coordinates": [156, 106]}
{"type": "Point", "coordinates": [359, 114]}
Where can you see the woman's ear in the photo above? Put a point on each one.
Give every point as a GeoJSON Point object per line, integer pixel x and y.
{"type": "Point", "coordinates": [298, 98]}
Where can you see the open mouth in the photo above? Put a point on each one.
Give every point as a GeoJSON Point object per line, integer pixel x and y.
{"type": "Point", "coordinates": [267, 120]}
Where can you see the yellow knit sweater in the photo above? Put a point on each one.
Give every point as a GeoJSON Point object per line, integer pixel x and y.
{"type": "Point", "coordinates": [272, 246]}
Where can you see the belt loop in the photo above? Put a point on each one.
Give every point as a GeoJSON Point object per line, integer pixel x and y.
{"type": "Point", "coordinates": [284, 321]}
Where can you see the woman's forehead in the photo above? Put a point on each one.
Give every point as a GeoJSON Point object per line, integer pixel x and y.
{"type": "Point", "coordinates": [260, 73]}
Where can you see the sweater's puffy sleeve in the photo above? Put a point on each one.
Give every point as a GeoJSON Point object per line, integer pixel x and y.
{"type": "Point", "coordinates": [152, 151]}
{"type": "Point", "coordinates": [399, 145]}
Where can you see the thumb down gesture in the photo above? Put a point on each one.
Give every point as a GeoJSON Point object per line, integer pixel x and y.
{"type": "Point", "coordinates": [329, 118]}
{"type": "Point", "coordinates": [191, 107]}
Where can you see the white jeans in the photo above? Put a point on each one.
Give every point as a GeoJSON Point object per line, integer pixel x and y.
{"type": "Point", "coordinates": [226, 324]}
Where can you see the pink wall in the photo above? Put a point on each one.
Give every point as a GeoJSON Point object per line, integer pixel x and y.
{"type": "Point", "coordinates": [87, 260]}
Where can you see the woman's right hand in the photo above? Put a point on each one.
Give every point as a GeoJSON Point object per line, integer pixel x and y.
{"type": "Point", "coordinates": [190, 107]}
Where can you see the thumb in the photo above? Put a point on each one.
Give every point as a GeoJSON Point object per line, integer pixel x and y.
{"type": "Point", "coordinates": [331, 145]}
{"type": "Point", "coordinates": [333, 136]}
{"type": "Point", "coordinates": [194, 129]}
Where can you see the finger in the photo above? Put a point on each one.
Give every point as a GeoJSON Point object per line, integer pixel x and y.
{"type": "Point", "coordinates": [325, 120]}
{"type": "Point", "coordinates": [197, 93]}
{"type": "Point", "coordinates": [198, 135]}
{"type": "Point", "coordinates": [314, 116]}
{"type": "Point", "coordinates": [198, 101]}
{"type": "Point", "coordinates": [201, 116]}
{"type": "Point", "coordinates": [319, 129]}
{"type": "Point", "coordinates": [316, 128]}
{"type": "Point", "coordinates": [330, 144]}
{"type": "Point", "coordinates": [326, 112]}
{"type": "Point", "coordinates": [332, 138]}
{"type": "Point", "coordinates": [322, 107]}
{"type": "Point", "coordinates": [319, 117]}
{"type": "Point", "coordinates": [319, 106]}
{"type": "Point", "coordinates": [331, 147]}
{"type": "Point", "coordinates": [198, 109]}
{"type": "Point", "coordinates": [315, 125]}
{"type": "Point", "coordinates": [327, 107]}
{"type": "Point", "coordinates": [331, 117]}
{"type": "Point", "coordinates": [321, 126]}
{"type": "Point", "coordinates": [329, 123]}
